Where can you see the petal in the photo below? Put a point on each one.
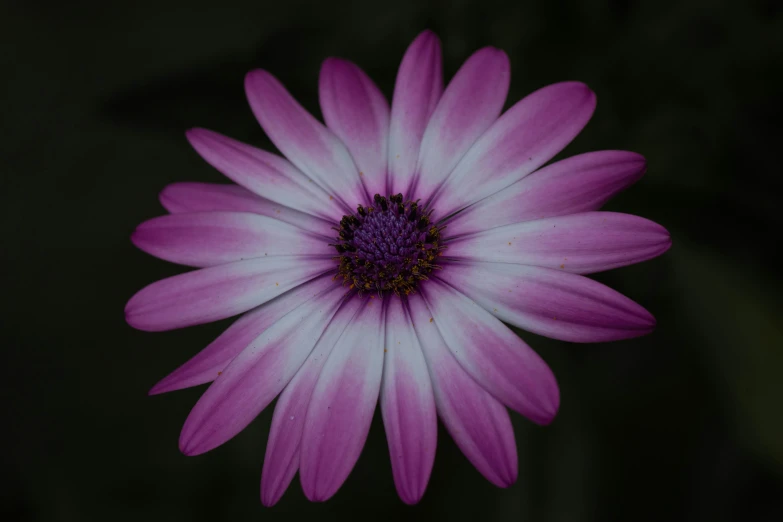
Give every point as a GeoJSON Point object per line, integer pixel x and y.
{"type": "Point", "coordinates": [265, 174]}
{"type": "Point", "coordinates": [307, 143]}
{"type": "Point", "coordinates": [407, 405]}
{"type": "Point", "coordinates": [210, 362]}
{"type": "Point", "coordinates": [357, 112]}
{"type": "Point", "coordinates": [471, 103]}
{"type": "Point", "coordinates": [183, 197]}
{"type": "Point", "coordinates": [524, 138]}
{"type": "Point", "coordinates": [477, 422]}
{"type": "Point", "coordinates": [416, 93]}
{"type": "Point", "coordinates": [549, 302]}
{"type": "Point", "coordinates": [281, 461]}
{"type": "Point", "coordinates": [580, 243]}
{"type": "Point", "coordinates": [214, 238]}
{"type": "Point", "coordinates": [192, 196]}
{"type": "Point", "coordinates": [214, 293]}
{"type": "Point", "coordinates": [577, 184]}
{"type": "Point", "coordinates": [257, 374]}
{"type": "Point", "coordinates": [342, 405]}
{"type": "Point", "coordinates": [493, 355]}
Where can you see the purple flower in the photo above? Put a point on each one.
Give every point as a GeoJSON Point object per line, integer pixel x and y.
{"type": "Point", "coordinates": [379, 260]}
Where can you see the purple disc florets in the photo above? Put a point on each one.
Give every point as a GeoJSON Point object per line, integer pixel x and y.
{"type": "Point", "coordinates": [388, 247]}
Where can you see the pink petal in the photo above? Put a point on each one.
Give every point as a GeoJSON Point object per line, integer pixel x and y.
{"type": "Point", "coordinates": [265, 174]}
{"type": "Point", "coordinates": [524, 138]}
{"type": "Point", "coordinates": [213, 238]}
{"type": "Point", "coordinates": [493, 355]}
{"type": "Point", "coordinates": [357, 112]}
{"type": "Point", "coordinates": [192, 196]}
{"type": "Point", "coordinates": [407, 405]}
{"type": "Point", "coordinates": [477, 422]}
{"type": "Point", "coordinates": [307, 143]}
{"type": "Point", "coordinates": [214, 293]}
{"type": "Point", "coordinates": [580, 243]}
{"type": "Point", "coordinates": [416, 93]}
{"type": "Point", "coordinates": [550, 302]}
{"type": "Point", "coordinates": [210, 362]}
{"type": "Point", "coordinates": [282, 450]}
{"type": "Point", "coordinates": [577, 184]}
{"type": "Point", "coordinates": [471, 103]}
{"type": "Point", "coordinates": [257, 374]}
{"type": "Point", "coordinates": [183, 197]}
{"type": "Point", "coordinates": [342, 405]}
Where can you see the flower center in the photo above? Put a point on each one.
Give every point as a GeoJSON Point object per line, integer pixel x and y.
{"type": "Point", "coordinates": [387, 247]}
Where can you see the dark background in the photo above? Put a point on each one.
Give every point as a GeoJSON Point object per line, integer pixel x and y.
{"type": "Point", "coordinates": [684, 424]}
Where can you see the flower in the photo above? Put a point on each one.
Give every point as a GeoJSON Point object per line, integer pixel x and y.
{"type": "Point", "coordinates": [379, 261]}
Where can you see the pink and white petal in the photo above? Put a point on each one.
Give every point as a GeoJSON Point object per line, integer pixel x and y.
{"type": "Point", "coordinates": [493, 355]}
{"type": "Point", "coordinates": [214, 238]}
{"type": "Point", "coordinates": [265, 174]}
{"type": "Point", "coordinates": [185, 197]}
{"type": "Point", "coordinates": [549, 302]}
{"type": "Point", "coordinates": [417, 91]}
{"type": "Point", "coordinates": [477, 422]}
{"type": "Point", "coordinates": [528, 135]}
{"type": "Point", "coordinates": [257, 374]}
{"type": "Point", "coordinates": [580, 243]}
{"type": "Point", "coordinates": [281, 461]}
{"type": "Point", "coordinates": [210, 362]}
{"type": "Point", "coordinates": [407, 405]}
{"type": "Point", "coordinates": [305, 141]}
{"type": "Point", "coordinates": [470, 104]}
{"type": "Point", "coordinates": [357, 112]}
{"type": "Point", "coordinates": [342, 405]}
{"type": "Point", "coordinates": [577, 184]}
{"type": "Point", "coordinates": [218, 292]}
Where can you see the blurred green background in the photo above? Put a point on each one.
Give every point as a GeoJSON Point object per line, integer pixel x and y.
{"type": "Point", "coordinates": [684, 424]}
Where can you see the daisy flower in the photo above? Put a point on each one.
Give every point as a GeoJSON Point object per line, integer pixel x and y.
{"type": "Point", "coordinates": [378, 261]}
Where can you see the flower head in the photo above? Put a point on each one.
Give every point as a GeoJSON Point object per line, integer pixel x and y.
{"type": "Point", "coordinates": [379, 260]}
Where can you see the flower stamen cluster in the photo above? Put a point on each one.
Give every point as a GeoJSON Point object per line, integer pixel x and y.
{"type": "Point", "coordinates": [388, 247]}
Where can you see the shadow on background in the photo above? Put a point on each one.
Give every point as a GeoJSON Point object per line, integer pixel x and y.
{"type": "Point", "coordinates": [684, 424]}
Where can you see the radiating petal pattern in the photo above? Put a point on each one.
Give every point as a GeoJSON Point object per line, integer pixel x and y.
{"type": "Point", "coordinates": [214, 238]}
{"type": "Point", "coordinates": [469, 105]}
{"type": "Point", "coordinates": [185, 197]}
{"type": "Point", "coordinates": [550, 302]}
{"type": "Point", "coordinates": [521, 140]}
{"type": "Point", "coordinates": [580, 243]}
{"type": "Point", "coordinates": [477, 422]}
{"type": "Point", "coordinates": [358, 113]}
{"type": "Point", "coordinates": [218, 292]}
{"type": "Point", "coordinates": [417, 91]}
{"type": "Point", "coordinates": [493, 355]}
{"type": "Point", "coordinates": [482, 235]}
{"type": "Point", "coordinates": [210, 362]}
{"type": "Point", "coordinates": [281, 460]}
{"type": "Point", "coordinates": [257, 374]}
{"type": "Point", "coordinates": [265, 174]}
{"type": "Point", "coordinates": [407, 405]}
{"type": "Point", "coordinates": [305, 141]}
{"type": "Point", "coordinates": [342, 405]}
{"type": "Point", "coordinates": [577, 184]}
